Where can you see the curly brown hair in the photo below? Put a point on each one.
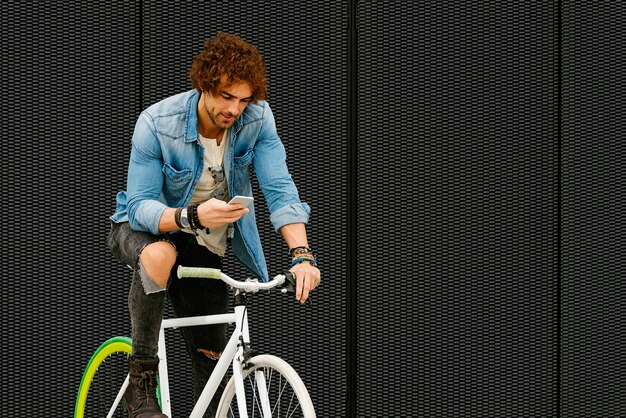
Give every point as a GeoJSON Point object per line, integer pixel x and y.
{"type": "Point", "coordinates": [230, 56]}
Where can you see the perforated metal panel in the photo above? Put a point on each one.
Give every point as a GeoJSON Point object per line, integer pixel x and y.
{"type": "Point", "coordinates": [594, 204]}
{"type": "Point", "coordinates": [457, 209]}
{"type": "Point", "coordinates": [77, 91]}
{"type": "Point", "coordinates": [71, 99]}
{"type": "Point", "coordinates": [457, 299]}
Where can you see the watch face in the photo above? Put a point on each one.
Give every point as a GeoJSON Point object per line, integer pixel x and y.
{"type": "Point", "coordinates": [183, 218]}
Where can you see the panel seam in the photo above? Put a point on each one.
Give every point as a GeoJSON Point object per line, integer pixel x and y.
{"type": "Point", "coordinates": [141, 56]}
{"type": "Point", "coordinates": [559, 208]}
{"type": "Point", "coordinates": [352, 210]}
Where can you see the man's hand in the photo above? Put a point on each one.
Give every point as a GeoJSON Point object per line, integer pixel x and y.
{"type": "Point", "coordinates": [215, 212]}
{"type": "Point", "coordinates": [307, 279]}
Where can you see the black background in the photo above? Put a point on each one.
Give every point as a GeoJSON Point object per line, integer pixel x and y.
{"type": "Point", "coordinates": [484, 174]}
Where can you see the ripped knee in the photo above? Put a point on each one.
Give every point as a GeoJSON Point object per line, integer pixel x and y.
{"type": "Point", "coordinates": [155, 263]}
{"type": "Point", "coordinates": [149, 284]}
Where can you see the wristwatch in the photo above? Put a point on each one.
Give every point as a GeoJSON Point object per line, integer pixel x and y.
{"type": "Point", "coordinates": [184, 220]}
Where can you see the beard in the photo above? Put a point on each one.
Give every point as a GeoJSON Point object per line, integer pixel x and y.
{"type": "Point", "coordinates": [221, 120]}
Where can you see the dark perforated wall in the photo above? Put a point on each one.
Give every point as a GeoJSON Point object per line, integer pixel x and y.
{"type": "Point", "coordinates": [78, 76]}
{"type": "Point", "coordinates": [70, 96]}
{"type": "Point", "coordinates": [457, 209]}
{"type": "Point", "coordinates": [594, 204]}
{"type": "Point", "coordinates": [459, 132]}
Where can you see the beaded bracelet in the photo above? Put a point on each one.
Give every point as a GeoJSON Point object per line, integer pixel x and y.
{"type": "Point", "coordinates": [196, 219]}
{"type": "Point", "coordinates": [192, 215]}
{"type": "Point", "coordinates": [312, 261]}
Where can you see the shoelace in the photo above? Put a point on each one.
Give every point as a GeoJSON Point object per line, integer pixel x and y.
{"type": "Point", "coordinates": [148, 381]}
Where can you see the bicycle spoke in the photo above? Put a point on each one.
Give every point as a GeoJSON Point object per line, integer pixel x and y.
{"type": "Point", "coordinates": [106, 381]}
{"type": "Point", "coordinates": [270, 385]}
{"type": "Point", "coordinates": [255, 399]}
{"type": "Point", "coordinates": [291, 403]}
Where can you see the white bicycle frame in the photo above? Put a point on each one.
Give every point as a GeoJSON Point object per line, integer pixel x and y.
{"type": "Point", "coordinates": [232, 354]}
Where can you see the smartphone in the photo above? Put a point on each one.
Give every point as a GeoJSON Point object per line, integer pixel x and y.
{"type": "Point", "coordinates": [243, 200]}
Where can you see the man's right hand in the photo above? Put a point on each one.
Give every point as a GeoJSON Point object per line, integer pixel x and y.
{"type": "Point", "coordinates": [215, 212]}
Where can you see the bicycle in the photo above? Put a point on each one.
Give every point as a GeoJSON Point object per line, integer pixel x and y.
{"type": "Point", "coordinates": [262, 384]}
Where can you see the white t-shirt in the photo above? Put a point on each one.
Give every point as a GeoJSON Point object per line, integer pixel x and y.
{"type": "Point", "coordinates": [213, 157]}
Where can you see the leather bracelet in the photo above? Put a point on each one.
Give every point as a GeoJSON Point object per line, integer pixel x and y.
{"type": "Point", "coordinates": [189, 217]}
{"type": "Point", "coordinates": [299, 250]}
{"type": "Point", "coordinates": [177, 217]}
{"type": "Point", "coordinates": [304, 256]}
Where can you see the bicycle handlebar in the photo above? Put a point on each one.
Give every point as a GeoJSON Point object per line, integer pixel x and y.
{"type": "Point", "coordinates": [250, 285]}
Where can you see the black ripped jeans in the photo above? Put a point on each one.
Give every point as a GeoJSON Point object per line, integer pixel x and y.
{"type": "Point", "coordinates": [189, 297]}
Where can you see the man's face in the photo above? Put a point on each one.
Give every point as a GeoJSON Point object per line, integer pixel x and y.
{"type": "Point", "coordinates": [227, 104]}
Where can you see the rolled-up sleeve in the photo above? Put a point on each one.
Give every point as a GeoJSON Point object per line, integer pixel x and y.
{"type": "Point", "coordinates": [291, 214]}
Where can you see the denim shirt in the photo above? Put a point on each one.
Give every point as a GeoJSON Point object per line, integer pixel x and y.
{"type": "Point", "coordinates": [166, 162]}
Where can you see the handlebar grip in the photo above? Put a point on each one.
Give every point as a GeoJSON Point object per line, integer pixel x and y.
{"type": "Point", "coordinates": [290, 282]}
{"type": "Point", "coordinates": [204, 272]}
{"type": "Point", "coordinates": [290, 285]}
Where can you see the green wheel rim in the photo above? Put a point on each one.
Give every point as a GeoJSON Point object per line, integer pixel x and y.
{"type": "Point", "coordinates": [112, 345]}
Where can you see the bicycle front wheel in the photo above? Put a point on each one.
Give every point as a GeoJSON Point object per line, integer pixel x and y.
{"type": "Point", "coordinates": [270, 384]}
{"type": "Point", "coordinates": [103, 379]}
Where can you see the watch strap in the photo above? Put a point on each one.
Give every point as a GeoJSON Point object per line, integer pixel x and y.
{"type": "Point", "coordinates": [177, 217]}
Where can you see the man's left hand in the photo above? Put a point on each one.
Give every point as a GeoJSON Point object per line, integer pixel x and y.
{"type": "Point", "coordinates": [307, 279]}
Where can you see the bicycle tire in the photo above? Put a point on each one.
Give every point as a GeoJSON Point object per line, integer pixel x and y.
{"type": "Point", "coordinates": [284, 387]}
{"type": "Point", "coordinates": [103, 377]}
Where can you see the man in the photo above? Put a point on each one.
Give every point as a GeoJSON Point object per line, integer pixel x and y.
{"type": "Point", "coordinates": [190, 154]}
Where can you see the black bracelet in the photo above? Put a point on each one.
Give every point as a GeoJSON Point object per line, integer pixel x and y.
{"type": "Point", "coordinates": [294, 249]}
{"type": "Point", "coordinates": [196, 219]}
{"type": "Point", "coordinates": [190, 210]}
{"type": "Point", "coordinates": [177, 217]}
{"type": "Point", "coordinates": [193, 217]}
{"type": "Point", "coordinates": [189, 217]}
